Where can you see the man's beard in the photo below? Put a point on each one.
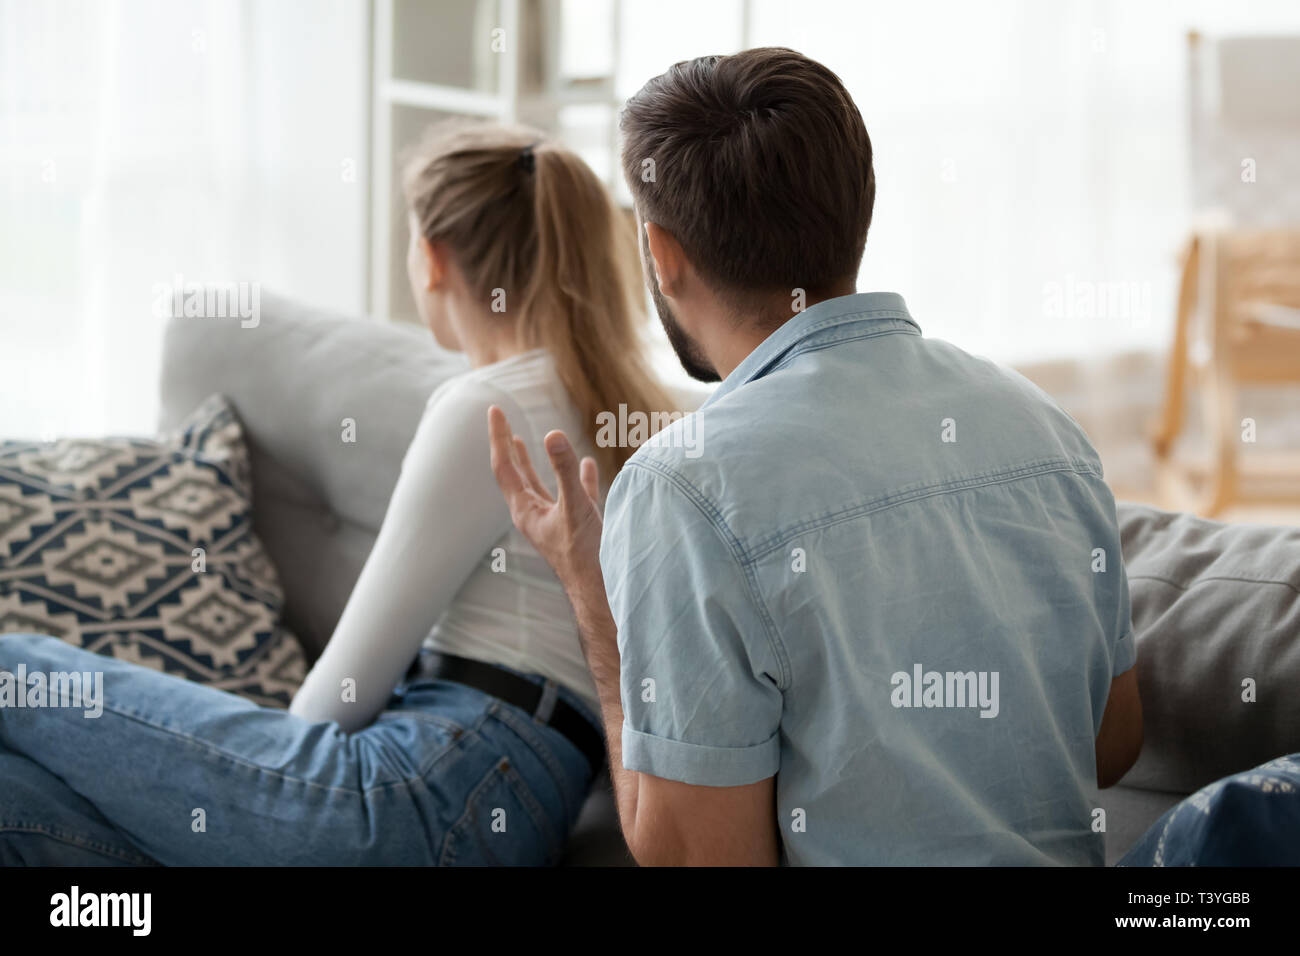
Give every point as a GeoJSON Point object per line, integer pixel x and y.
{"type": "Point", "coordinates": [688, 353]}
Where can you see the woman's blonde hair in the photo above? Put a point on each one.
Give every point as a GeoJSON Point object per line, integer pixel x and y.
{"type": "Point", "coordinates": [521, 213]}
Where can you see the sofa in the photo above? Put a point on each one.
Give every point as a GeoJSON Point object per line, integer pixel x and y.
{"type": "Point", "coordinates": [1213, 604]}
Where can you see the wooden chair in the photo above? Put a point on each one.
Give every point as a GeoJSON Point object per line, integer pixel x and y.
{"type": "Point", "coordinates": [1248, 283]}
{"type": "Point", "coordinates": [1238, 314]}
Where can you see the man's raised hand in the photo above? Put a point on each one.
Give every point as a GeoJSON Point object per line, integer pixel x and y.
{"type": "Point", "coordinates": [565, 529]}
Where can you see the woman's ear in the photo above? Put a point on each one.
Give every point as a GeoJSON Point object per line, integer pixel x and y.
{"type": "Point", "coordinates": [435, 262]}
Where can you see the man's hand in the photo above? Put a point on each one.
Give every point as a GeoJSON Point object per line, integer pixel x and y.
{"type": "Point", "coordinates": [565, 530]}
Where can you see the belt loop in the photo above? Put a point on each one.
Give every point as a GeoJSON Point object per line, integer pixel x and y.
{"type": "Point", "coordinates": [546, 706]}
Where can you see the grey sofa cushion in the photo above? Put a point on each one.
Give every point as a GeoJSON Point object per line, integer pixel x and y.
{"type": "Point", "coordinates": [1213, 605]}
{"type": "Point", "coordinates": [1130, 811]}
{"type": "Point", "coordinates": [293, 379]}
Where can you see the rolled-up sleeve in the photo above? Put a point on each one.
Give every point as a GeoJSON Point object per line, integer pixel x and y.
{"type": "Point", "coordinates": [700, 678]}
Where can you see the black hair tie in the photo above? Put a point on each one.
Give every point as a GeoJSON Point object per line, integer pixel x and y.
{"type": "Point", "coordinates": [527, 161]}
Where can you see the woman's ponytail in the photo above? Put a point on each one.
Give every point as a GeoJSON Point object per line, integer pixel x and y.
{"type": "Point", "coordinates": [527, 215]}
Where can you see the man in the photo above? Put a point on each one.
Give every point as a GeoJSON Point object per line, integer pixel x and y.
{"type": "Point", "coordinates": [875, 610]}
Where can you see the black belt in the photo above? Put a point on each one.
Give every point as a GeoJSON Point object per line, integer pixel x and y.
{"type": "Point", "coordinates": [514, 690]}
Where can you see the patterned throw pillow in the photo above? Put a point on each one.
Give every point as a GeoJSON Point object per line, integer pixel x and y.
{"type": "Point", "coordinates": [1248, 819]}
{"type": "Point", "coordinates": [144, 550]}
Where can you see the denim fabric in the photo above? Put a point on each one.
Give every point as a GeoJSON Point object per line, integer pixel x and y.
{"type": "Point", "coordinates": [888, 573]}
{"type": "Point", "coordinates": [176, 773]}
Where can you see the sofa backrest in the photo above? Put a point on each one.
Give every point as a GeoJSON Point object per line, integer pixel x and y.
{"type": "Point", "coordinates": [295, 379]}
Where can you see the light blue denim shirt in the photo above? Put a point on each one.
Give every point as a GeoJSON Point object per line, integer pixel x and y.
{"type": "Point", "coordinates": [887, 572]}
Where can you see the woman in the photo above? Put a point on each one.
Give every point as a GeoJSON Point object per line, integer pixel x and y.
{"type": "Point", "coordinates": [483, 749]}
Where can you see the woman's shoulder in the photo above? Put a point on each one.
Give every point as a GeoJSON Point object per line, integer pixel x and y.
{"type": "Point", "coordinates": [521, 385]}
{"type": "Point", "coordinates": [524, 381]}
{"type": "Point", "coordinates": [463, 402]}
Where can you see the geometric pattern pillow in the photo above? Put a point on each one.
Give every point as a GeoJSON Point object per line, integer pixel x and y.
{"type": "Point", "coordinates": [143, 550]}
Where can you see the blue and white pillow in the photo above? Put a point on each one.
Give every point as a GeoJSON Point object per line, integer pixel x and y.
{"type": "Point", "coordinates": [1248, 819]}
{"type": "Point", "coordinates": [143, 550]}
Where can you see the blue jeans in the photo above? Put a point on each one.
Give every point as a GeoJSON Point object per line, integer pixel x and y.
{"type": "Point", "coordinates": [176, 773]}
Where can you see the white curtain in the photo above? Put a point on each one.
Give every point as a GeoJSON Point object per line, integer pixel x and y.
{"type": "Point", "coordinates": [143, 140]}
{"type": "Point", "coordinates": [1033, 170]}
{"type": "Point", "coordinates": [1031, 157]}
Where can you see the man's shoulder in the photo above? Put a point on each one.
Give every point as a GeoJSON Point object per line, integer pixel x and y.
{"type": "Point", "coordinates": [824, 433]}
{"type": "Point", "coordinates": [694, 450]}
{"type": "Point", "coordinates": [713, 468]}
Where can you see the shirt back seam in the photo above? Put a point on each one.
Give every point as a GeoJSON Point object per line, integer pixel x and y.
{"type": "Point", "coordinates": [952, 486]}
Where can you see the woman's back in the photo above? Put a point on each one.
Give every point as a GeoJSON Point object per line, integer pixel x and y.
{"type": "Point", "coordinates": [511, 609]}
{"type": "Point", "coordinates": [448, 570]}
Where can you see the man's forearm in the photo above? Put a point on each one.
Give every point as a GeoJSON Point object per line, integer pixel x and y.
{"type": "Point", "coordinates": [599, 635]}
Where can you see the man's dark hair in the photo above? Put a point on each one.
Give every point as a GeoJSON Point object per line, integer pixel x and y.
{"type": "Point", "coordinates": [761, 170]}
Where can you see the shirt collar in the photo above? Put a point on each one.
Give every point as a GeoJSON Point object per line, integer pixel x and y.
{"type": "Point", "coordinates": [861, 306]}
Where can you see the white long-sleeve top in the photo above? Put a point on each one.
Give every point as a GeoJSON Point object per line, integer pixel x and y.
{"type": "Point", "coordinates": [430, 577]}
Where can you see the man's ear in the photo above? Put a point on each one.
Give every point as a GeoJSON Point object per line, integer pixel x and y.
{"type": "Point", "coordinates": [666, 258]}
